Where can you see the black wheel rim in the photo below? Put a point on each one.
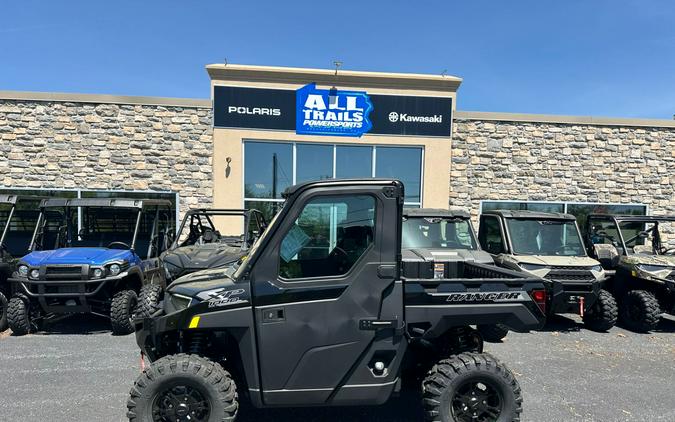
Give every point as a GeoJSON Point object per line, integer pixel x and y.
{"type": "Point", "coordinates": [181, 403]}
{"type": "Point", "coordinates": [476, 401]}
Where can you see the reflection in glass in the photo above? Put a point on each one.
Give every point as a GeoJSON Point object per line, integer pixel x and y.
{"type": "Point", "coordinates": [268, 169]}
{"type": "Point", "coordinates": [404, 164]}
{"type": "Point", "coordinates": [353, 162]}
{"type": "Point", "coordinates": [313, 162]}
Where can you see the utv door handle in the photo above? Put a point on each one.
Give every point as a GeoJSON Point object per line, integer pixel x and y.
{"type": "Point", "coordinates": [273, 315]}
{"type": "Point", "coordinates": [377, 324]}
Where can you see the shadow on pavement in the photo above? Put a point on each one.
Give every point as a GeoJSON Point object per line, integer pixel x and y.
{"type": "Point", "coordinates": [83, 324]}
{"type": "Point", "coordinates": [406, 408]}
{"type": "Point", "coordinates": [562, 324]}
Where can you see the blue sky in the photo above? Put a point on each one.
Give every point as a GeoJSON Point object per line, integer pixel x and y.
{"type": "Point", "coordinates": [582, 57]}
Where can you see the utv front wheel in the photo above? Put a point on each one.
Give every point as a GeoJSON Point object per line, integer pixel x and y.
{"type": "Point", "coordinates": [640, 311]}
{"type": "Point", "coordinates": [148, 300]}
{"type": "Point", "coordinates": [493, 333]}
{"type": "Point", "coordinates": [122, 309]}
{"type": "Point", "coordinates": [18, 316]}
{"type": "Point", "coordinates": [471, 387]}
{"type": "Point", "coordinates": [4, 303]}
{"type": "Point", "coordinates": [603, 314]}
{"type": "Point", "coordinates": [183, 388]}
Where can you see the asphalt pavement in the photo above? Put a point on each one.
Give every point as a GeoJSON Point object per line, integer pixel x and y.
{"type": "Point", "coordinates": [77, 371]}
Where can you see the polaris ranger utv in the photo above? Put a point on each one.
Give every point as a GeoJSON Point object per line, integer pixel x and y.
{"type": "Point", "coordinates": [18, 215]}
{"type": "Point", "coordinates": [320, 313]}
{"type": "Point", "coordinates": [429, 234]}
{"type": "Point", "coordinates": [633, 248]}
{"type": "Point", "coordinates": [549, 245]}
{"type": "Point", "coordinates": [90, 256]}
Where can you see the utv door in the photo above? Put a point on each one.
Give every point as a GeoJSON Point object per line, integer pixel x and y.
{"type": "Point", "coordinates": [327, 304]}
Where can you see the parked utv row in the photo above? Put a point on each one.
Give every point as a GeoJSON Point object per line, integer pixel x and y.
{"type": "Point", "coordinates": [103, 256]}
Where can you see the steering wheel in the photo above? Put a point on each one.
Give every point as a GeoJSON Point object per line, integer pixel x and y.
{"type": "Point", "coordinates": [208, 235]}
{"type": "Point", "coordinates": [120, 245]}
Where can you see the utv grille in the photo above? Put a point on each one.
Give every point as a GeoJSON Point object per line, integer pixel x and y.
{"type": "Point", "coordinates": [572, 274]}
{"type": "Point", "coordinates": [63, 272]}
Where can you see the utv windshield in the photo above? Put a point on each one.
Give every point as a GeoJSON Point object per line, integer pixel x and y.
{"type": "Point", "coordinates": [223, 227]}
{"type": "Point", "coordinates": [436, 232]}
{"type": "Point", "coordinates": [545, 237]}
{"type": "Point", "coordinates": [644, 238]}
{"type": "Point", "coordinates": [100, 226]}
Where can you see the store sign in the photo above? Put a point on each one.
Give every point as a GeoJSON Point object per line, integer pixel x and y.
{"type": "Point", "coordinates": [312, 111]}
{"type": "Point", "coordinates": [331, 112]}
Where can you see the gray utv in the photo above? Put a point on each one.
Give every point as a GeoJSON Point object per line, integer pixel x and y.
{"type": "Point", "coordinates": [323, 312]}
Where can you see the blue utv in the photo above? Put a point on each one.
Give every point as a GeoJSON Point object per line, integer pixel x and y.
{"type": "Point", "coordinates": [91, 255]}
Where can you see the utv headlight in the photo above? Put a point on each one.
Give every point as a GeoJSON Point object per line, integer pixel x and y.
{"type": "Point", "coordinates": [656, 270]}
{"type": "Point", "coordinates": [115, 269]}
{"type": "Point", "coordinates": [98, 273]}
{"type": "Point", "coordinates": [23, 270]}
{"type": "Point", "coordinates": [180, 302]}
{"type": "Point", "coordinates": [597, 268]}
{"type": "Point", "coordinates": [35, 273]}
{"type": "Point", "coordinates": [172, 271]}
{"type": "Point", "coordinates": [533, 267]}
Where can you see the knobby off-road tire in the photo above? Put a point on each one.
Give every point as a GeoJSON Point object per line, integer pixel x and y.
{"type": "Point", "coordinates": [471, 387]}
{"type": "Point", "coordinates": [122, 309]}
{"type": "Point", "coordinates": [603, 314]}
{"type": "Point", "coordinates": [159, 392]}
{"type": "Point", "coordinates": [640, 311]}
{"type": "Point", "coordinates": [493, 333]}
{"type": "Point", "coordinates": [18, 316]}
{"type": "Point", "coordinates": [4, 303]}
{"type": "Point", "coordinates": [148, 300]}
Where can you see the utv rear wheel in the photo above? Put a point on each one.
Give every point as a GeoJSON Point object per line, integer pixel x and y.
{"type": "Point", "coordinates": [122, 310]}
{"type": "Point", "coordinates": [472, 387]}
{"type": "Point", "coordinates": [493, 333]}
{"type": "Point", "coordinates": [4, 303]}
{"type": "Point", "coordinates": [183, 388]}
{"type": "Point", "coordinates": [639, 311]}
{"type": "Point", "coordinates": [603, 314]}
{"type": "Point", "coordinates": [18, 316]}
{"type": "Point", "coordinates": [148, 300]}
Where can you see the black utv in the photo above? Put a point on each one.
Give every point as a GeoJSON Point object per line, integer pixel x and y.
{"type": "Point", "coordinates": [438, 234]}
{"type": "Point", "coordinates": [633, 249]}
{"type": "Point", "coordinates": [322, 313]}
{"type": "Point", "coordinates": [18, 215]}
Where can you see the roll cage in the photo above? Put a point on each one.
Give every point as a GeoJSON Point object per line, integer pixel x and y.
{"type": "Point", "coordinates": [69, 228]}
{"type": "Point", "coordinates": [196, 226]}
{"type": "Point", "coordinates": [591, 234]}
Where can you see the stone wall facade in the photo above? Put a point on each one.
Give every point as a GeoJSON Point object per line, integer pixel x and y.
{"type": "Point", "coordinates": [57, 145]}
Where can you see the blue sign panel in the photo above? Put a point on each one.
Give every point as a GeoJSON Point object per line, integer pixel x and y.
{"type": "Point", "coordinates": [332, 112]}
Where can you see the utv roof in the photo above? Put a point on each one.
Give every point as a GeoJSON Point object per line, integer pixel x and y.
{"type": "Point", "coordinates": [637, 218]}
{"type": "Point", "coordinates": [13, 199]}
{"type": "Point", "coordinates": [339, 182]}
{"type": "Point", "coordinates": [435, 212]}
{"type": "Point", "coordinates": [103, 202]}
{"type": "Point", "coordinates": [216, 211]}
{"type": "Point", "coordinates": [530, 215]}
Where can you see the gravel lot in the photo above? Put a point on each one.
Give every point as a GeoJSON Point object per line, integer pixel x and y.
{"type": "Point", "coordinates": [77, 371]}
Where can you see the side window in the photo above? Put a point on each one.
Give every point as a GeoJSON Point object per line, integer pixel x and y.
{"type": "Point", "coordinates": [329, 236]}
{"type": "Point", "coordinates": [491, 236]}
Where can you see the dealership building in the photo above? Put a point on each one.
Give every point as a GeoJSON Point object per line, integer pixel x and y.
{"type": "Point", "coordinates": [266, 128]}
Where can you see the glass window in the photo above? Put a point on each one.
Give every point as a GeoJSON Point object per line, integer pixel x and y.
{"type": "Point", "coordinates": [581, 211]}
{"type": "Point", "coordinates": [353, 162]}
{"type": "Point", "coordinates": [490, 236]}
{"type": "Point", "coordinates": [268, 169]}
{"type": "Point", "coordinates": [268, 209]}
{"type": "Point", "coordinates": [545, 237]}
{"type": "Point", "coordinates": [328, 237]}
{"type": "Point", "coordinates": [419, 232]}
{"type": "Point", "coordinates": [313, 162]}
{"type": "Point", "coordinates": [404, 164]}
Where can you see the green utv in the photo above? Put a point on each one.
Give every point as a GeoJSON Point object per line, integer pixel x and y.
{"type": "Point", "coordinates": [549, 245]}
{"type": "Point", "coordinates": [323, 311]}
{"type": "Point", "coordinates": [18, 216]}
{"type": "Point", "coordinates": [632, 247]}
{"type": "Point", "coordinates": [445, 235]}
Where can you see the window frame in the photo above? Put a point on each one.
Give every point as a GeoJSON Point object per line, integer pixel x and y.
{"type": "Point", "coordinates": [292, 218]}
{"type": "Point", "coordinates": [294, 144]}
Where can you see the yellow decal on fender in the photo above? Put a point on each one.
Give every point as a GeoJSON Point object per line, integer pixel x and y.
{"type": "Point", "coordinates": [194, 322]}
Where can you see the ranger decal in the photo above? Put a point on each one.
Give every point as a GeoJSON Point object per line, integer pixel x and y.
{"type": "Point", "coordinates": [486, 297]}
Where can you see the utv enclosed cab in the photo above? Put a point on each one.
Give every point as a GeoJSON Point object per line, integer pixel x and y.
{"type": "Point", "coordinates": [549, 245]}
{"type": "Point", "coordinates": [319, 313]}
{"type": "Point", "coordinates": [90, 256]}
{"type": "Point", "coordinates": [18, 215]}
{"type": "Point", "coordinates": [633, 247]}
{"type": "Point", "coordinates": [203, 240]}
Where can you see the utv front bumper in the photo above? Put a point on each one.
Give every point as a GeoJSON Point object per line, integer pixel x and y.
{"type": "Point", "coordinates": [569, 298]}
{"type": "Point", "coordinates": [65, 296]}
{"type": "Point", "coordinates": [153, 332]}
